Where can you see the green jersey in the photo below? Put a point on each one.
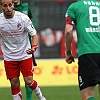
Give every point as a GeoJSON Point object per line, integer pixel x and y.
{"type": "Point", "coordinates": [24, 8]}
{"type": "Point", "coordinates": [87, 21]}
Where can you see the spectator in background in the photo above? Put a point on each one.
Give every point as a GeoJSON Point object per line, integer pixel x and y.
{"type": "Point", "coordinates": [85, 15]}
{"type": "Point", "coordinates": [60, 1]}
{"type": "Point", "coordinates": [60, 9]}
{"type": "Point", "coordinates": [24, 8]}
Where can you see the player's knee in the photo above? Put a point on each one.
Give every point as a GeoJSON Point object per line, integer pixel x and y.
{"type": "Point", "coordinates": [28, 80]}
{"type": "Point", "coordinates": [14, 82]}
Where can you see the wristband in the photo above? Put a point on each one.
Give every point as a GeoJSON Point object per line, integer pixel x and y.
{"type": "Point", "coordinates": [34, 45]}
{"type": "Point", "coordinates": [68, 52]}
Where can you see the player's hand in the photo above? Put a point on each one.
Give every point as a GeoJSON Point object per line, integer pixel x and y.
{"type": "Point", "coordinates": [32, 50]}
{"type": "Point", "coordinates": [69, 59]}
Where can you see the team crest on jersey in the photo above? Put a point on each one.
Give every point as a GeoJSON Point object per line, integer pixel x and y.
{"type": "Point", "coordinates": [19, 26]}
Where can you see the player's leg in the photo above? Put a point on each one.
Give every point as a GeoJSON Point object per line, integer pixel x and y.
{"type": "Point", "coordinates": [12, 73]}
{"type": "Point", "coordinates": [34, 86]}
{"type": "Point", "coordinates": [99, 89]}
{"type": "Point", "coordinates": [88, 75]}
{"type": "Point", "coordinates": [91, 98]}
{"type": "Point", "coordinates": [28, 93]}
{"type": "Point", "coordinates": [28, 90]}
{"type": "Point", "coordinates": [15, 89]}
{"type": "Point", "coordinates": [28, 78]}
{"type": "Point", "coordinates": [88, 93]}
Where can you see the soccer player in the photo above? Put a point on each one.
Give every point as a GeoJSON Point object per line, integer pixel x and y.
{"type": "Point", "coordinates": [14, 29]}
{"type": "Point", "coordinates": [24, 8]}
{"type": "Point", "coordinates": [85, 15]}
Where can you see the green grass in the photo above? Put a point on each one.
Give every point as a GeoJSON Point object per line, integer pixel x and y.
{"type": "Point", "coordinates": [51, 93]}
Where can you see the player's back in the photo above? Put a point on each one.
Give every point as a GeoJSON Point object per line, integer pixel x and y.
{"type": "Point", "coordinates": [87, 17]}
{"type": "Point", "coordinates": [86, 14]}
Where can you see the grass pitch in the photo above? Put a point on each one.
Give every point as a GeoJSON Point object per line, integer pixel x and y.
{"type": "Point", "coordinates": [51, 93]}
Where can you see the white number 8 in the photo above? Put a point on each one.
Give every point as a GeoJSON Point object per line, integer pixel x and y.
{"type": "Point", "coordinates": [93, 16]}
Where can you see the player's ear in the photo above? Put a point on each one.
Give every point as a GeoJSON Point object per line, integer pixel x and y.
{"type": "Point", "coordinates": [0, 6]}
{"type": "Point", "coordinates": [13, 4]}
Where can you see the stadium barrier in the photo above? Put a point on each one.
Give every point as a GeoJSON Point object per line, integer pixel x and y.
{"type": "Point", "coordinates": [51, 72]}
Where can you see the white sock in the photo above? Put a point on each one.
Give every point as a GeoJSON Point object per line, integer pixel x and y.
{"type": "Point", "coordinates": [38, 92]}
{"type": "Point", "coordinates": [17, 96]}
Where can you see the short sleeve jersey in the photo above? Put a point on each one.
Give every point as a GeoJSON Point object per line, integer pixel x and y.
{"type": "Point", "coordinates": [24, 8]}
{"type": "Point", "coordinates": [14, 33]}
{"type": "Point", "coordinates": [87, 21]}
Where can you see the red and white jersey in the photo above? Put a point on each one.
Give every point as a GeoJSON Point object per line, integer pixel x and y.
{"type": "Point", "coordinates": [14, 33]}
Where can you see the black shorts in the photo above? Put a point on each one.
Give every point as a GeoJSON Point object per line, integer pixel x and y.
{"type": "Point", "coordinates": [88, 70]}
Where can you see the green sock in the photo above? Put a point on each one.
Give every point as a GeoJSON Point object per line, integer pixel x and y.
{"type": "Point", "coordinates": [91, 98]}
{"type": "Point", "coordinates": [28, 93]}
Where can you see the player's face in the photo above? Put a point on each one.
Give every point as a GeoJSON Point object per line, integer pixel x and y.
{"type": "Point", "coordinates": [16, 2]}
{"type": "Point", "coordinates": [7, 7]}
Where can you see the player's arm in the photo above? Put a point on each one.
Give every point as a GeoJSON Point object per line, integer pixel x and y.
{"type": "Point", "coordinates": [34, 44]}
{"type": "Point", "coordinates": [32, 31]}
{"type": "Point", "coordinates": [68, 38]}
{"type": "Point", "coordinates": [31, 17]}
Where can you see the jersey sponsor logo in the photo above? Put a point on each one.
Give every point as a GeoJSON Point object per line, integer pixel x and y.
{"type": "Point", "coordinates": [19, 26]}
{"type": "Point", "coordinates": [91, 29]}
{"type": "Point", "coordinates": [11, 33]}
